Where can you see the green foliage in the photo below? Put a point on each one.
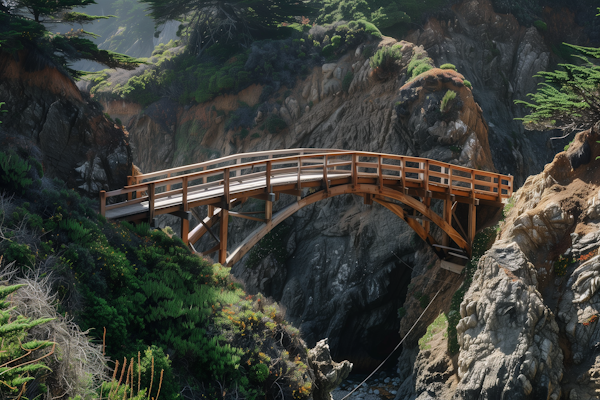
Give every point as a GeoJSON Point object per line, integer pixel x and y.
{"type": "Point", "coordinates": [20, 360]}
{"type": "Point", "coordinates": [438, 325]}
{"type": "Point", "coordinates": [150, 293]}
{"type": "Point", "coordinates": [418, 65]}
{"type": "Point", "coordinates": [14, 173]}
{"type": "Point", "coordinates": [561, 264]}
{"type": "Point", "coordinates": [19, 253]}
{"type": "Point", "coordinates": [540, 25]}
{"type": "Point", "coordinates": [385, 58]}
{"type": "Point", "coordinates": [447, 100]}
{"type": "Point", "coordinates": [18, 32]}
{"type": "Point", "coordinates": [568, 98]}
{"type": "Point", "coordinates": [273, 243]}
{"type": "Point", "coordinates": [275, 124]}
{"type": "Point", "coordinates": [1, 104]}
{"type": "Point", "coordinates": [448, 66]}
{"type": "Point", "coordinates": [392, 17]}
{"type": "Point", "coordinates": [259, 372]}
{"type": "Point", "coordinates": [468, 84]}
{"type": "Point", "coordinates": [246, 20]}
{"type": "Point", "coordinates": [401, 312]}
{"type": "Point", "coordinates": [483, 241]}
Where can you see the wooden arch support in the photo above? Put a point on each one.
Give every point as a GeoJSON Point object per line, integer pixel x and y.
{"type": "Point", "coordinates": [379, 197]}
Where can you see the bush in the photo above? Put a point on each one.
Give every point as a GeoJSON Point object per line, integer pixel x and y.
{"type": "Point", "coordinates": [14, 173]}
{"type": "Point", "coordinates": [21, 359]}
{"type": "Point", "coordinates": [385, 58]}
{"type": "Point", "coordinates": [540, 25]}
{"type": "Point", "coordinates": [347, 81]}
{"type": "Point", "coordinates": [468, 84]}
{"type": "Point", "coordinates": [418, 65]}
{"type": "Point", "coordinates": [447, 100]}
{"type": "Point", "coordinates": [275, 124]}
{"type": "Point", "coordinates": [448, 66]}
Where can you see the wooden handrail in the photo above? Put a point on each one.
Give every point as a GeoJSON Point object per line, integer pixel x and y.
{"type": "Point", "coordinates": [297, 160]}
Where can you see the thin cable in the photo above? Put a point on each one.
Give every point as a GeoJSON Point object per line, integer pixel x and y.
{"type": "Point", "coordinates": [411, 268]}
{"type": "Point", "coordinates": [402, 341]}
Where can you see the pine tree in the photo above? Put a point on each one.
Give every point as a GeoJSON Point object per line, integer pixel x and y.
{"type": "Point", "coordinates": [21, 29]}
{"type": "Point", "coordinates": [568, 98]}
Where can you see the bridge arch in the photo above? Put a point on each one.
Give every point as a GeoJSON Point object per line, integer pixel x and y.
{"type": "Point", "coordinates": [389, 180]}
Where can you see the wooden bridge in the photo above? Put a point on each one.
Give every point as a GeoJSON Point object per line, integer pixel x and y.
{"type": "Point", "coordinates": [404, 185]}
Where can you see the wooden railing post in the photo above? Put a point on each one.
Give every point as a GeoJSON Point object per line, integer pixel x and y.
{"type": "Point", "coordinates": [354, 173]}
{"type": "Point", "coordinates": [226, 198]}
{"type": "Point", "coordinates": [380, 173]}
{"type": "Point", "coordinates": [268, 178]}
{"type": "Point", "coordinates": [129, 183]}
{"type": "Point", "coordinates": [168, 185]}
{"type": "Point", "coordinates": [223, 236]}
{"type": "Point", "coordinates": [151, 201]}
{"type": "Point", "coordinates": [103, 203]}
{"type": "Point", "coordinates": [427, 198]}
{"type": "Point", "coordinates": [185, 223]}
{"type": "Point", "coordinates": [325, 180]}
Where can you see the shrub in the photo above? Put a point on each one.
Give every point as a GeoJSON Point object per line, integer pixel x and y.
{"type": "Point", "coordinates": [385, 58]}
{"type": "Point", "coordinates": [468, 84]}
{"type": "Point", "coordinates": [275, 124]}
{"type": "Point", "coordinates": [17, 367]}
{"type": "Point", "coordinates": [417, 66]}
{"type": "Point", "coordinates": [347, 81]}
{"type": "Point", "coordinates": [13, 173]}
{"type": "Point", "coordinates": [448, 66]}
{"type": "Point", "coordinates": [447, 100]}
{"type": "Point", "coordinates": [1, 104]}
{"type": "Point", "coordinates": [540, 25]}
{"type": "Point", "coordinates": [19, 253]}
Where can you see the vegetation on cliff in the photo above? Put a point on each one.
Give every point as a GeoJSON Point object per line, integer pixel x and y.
{"type": "Point", "coordinates": [143, 295]}
{"type": "Point", "coordinates": [21, 29]}
{"type": "Point", "coordinates": [568, 98]}
{"type": "Point", "coordinates": [186, 78]}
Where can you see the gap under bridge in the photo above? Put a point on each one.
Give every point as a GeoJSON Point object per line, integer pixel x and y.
{"type": "Point", "coordinates": [404, 185]}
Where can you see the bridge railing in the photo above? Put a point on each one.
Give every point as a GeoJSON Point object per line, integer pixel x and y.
{"type": "Point", "coordinates": [232, 172]}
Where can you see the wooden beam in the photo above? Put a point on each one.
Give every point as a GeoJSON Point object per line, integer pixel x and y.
{"type": "Point", "coordinates": [215, 248]}
{"type": "Point", "coordinates": [103, 203]}
{"type": "Point", "coordinates": [243, 215]}
{"type": "Point", "coordinates": [151, 195]}
{"type": "Point", "coordinates": [447, 215]}
{"type": "Point", "coordinates": [268, 210]}
{"type": "Point", "coordinates": [223, 236]}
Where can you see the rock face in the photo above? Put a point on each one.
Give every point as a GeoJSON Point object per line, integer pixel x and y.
{"type": "Point", "coordinates": [48, 117]}
{"type": "Point", "coordinates": [529, 320]}
{"type": "Point", "coordinates": [328, 373]}
{"type": "Point", "coordinates": [499, 57]}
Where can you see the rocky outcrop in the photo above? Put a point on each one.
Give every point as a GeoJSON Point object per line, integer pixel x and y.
{"type": "Point", "coordinates": [529, 319]}
{"type": "Point", "coordinates": [48, 117]}
{"type": "Point", "coordinates": [328, 373]}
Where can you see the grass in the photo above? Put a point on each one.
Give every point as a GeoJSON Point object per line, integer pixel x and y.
{"type": "Point", "coordinates": [440, 324]}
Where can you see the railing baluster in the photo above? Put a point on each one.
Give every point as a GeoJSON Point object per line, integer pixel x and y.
{"type": "Point", "coordinates": [151, 201]}
{"type": "Point", "coordinates": [103, 203]}
{"type": "Point", "coordinates": [325, 174]}
{"type": "Point", "coordinates": [380, 174]}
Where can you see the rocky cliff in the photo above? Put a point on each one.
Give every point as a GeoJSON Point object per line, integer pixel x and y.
{"type": "Point", "coordinates": [50, 119]}
{"type": "Point", "coordinates": [529, 321]}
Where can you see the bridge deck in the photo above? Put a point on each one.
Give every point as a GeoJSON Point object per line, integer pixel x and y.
{"type": "Point", "coordinates": [203, 194]}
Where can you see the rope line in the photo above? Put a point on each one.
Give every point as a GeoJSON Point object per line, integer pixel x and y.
{"type": "Point", "coordinates": [396, 348]}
